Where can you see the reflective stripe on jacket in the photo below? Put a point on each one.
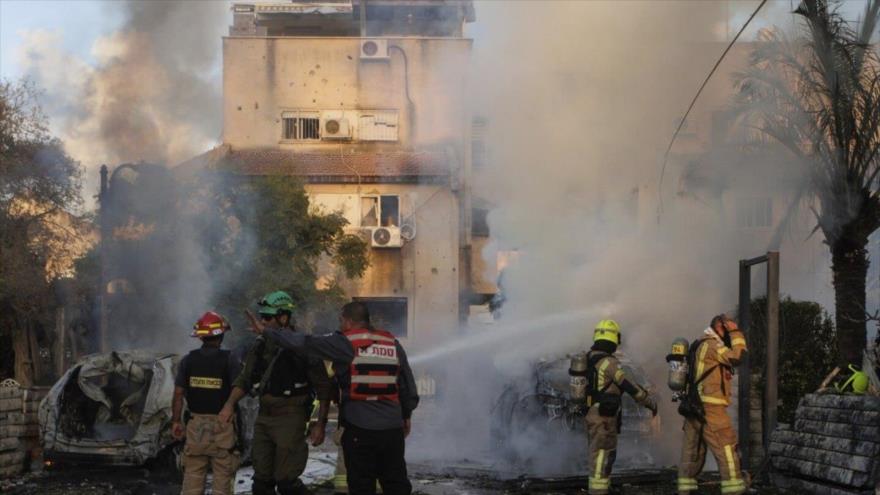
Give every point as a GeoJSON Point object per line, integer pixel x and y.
{"type": "Point", "coordinates": [718, 360]}
{"type": "Point", "coordinates": [375, 367]}
{"type": "Point", "coordinates": [610, 377]}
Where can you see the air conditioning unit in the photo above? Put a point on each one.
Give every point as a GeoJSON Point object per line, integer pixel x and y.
{"type": "Point", "coordinates": [374, 49]}
{"type": "Point", "coordinates": [408, 230]}
{"type": "Point", "coordinates": [386, 237]}
{"type": "Point", "coordinates": [335, 128]}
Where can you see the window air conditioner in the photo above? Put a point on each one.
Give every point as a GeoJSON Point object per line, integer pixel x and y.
{"type": "Point", "coordinates": [374, 49]}
{"type": "Point", "coordinates": [335, 128]}
{"type": "Point", "coordinates": [386, 237]}
{"type": "Point", "coordinates": [408, 229]}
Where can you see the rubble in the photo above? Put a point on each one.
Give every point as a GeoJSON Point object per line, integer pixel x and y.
{"type": "Point", "coordinates": [833, 447]}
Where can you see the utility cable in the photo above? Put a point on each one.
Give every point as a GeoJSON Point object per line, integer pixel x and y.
{"type": "Point", "coordinates": [691, 106]}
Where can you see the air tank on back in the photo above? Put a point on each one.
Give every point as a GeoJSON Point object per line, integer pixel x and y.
{"type": "Point", "coordinates": [577, 370]}
{"type": "Point", "coordinates": [678, 366]}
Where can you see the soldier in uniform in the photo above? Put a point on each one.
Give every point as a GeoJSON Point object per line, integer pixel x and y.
{"type": "Point", "coordinates": [286, 382]}
{"type": "Point", "coordinates": [377, 397]}
{"type": "Point", "coordinates": [204, 378]}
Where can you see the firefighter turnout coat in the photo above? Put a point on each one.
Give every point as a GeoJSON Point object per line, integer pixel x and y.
{"type": "Point", "coordinates": [713, 372]}
{"type": "Point", "coordinates": [607, 382]}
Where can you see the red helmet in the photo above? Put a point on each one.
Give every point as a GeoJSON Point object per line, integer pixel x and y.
{"type": "Point", "coordinates": [210, 325]}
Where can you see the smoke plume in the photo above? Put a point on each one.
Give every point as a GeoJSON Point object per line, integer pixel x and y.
{"type": "Point", "coordinates": [153, 93]}
{"type": "Point", "coordinates": [581, 99]}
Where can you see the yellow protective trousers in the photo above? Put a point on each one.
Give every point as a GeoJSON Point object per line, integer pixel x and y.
{"type": "Point", "coordinates": [718, 435]}
{"type": "Point", "coordinates": [602, 438]}
{"type": "Point", "coordinates": [209, 443]}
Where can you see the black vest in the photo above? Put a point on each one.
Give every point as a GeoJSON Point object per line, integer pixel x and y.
{"type": "Point", "coordinates": [289, 376]}
{"type": "Point", "coordinates": [207, 382]}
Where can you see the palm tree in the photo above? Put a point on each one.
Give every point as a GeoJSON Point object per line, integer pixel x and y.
{"type": "Point", "coordinates": [818, 95]}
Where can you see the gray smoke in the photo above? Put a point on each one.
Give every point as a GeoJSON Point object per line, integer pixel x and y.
{"type": "Point", "coordinates": [154, 94]}
{"type": "Point", "coordinates": [581, 100]}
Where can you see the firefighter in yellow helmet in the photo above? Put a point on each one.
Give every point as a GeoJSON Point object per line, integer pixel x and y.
{"type": "Point", "coordinates": [710, 362]}
{"type": "Point", "coordinates": [607, 380]}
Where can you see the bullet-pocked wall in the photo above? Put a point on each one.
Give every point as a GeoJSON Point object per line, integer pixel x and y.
{"type": "Point", "coordinates": [423, 79]}
{"type": "Point", "coordinates": [423, 273]}
{"type": "Point", "coordinates": [406, 99]}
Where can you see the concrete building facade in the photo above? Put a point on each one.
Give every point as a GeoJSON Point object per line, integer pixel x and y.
{"type": "Point", "coordinates": [370, 112]}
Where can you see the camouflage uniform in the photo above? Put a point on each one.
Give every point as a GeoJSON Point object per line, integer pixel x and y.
{"type": "Point", "coordinates": [286, 382]}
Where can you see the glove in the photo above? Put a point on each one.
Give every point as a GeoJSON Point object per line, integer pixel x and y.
{"type": "Point", "coordinates": [651, 404]}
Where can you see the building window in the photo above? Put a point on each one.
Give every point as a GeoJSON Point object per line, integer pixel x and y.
{"type": "Point", "coordinates": [754, 213]}
{"type": "Point", "coordinates": [480, 222]}
{"type": "Point", "coordinates": [390, 208]}
{"type": "Point", "coordinates": [387, 313]}
{"type": "Point", "coordinates": [369, 211]}
{"type": "Point", "coordinates": [380, 211]}
{"type": "Point", "coordinates": [301, 126]}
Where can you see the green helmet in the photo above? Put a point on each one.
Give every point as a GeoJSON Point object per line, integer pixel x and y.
{"type": "Point", "coordinates": [274, 302]}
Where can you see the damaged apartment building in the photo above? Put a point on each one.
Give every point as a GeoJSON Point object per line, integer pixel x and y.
{"type": "Point", "coordinates": [365, 102]}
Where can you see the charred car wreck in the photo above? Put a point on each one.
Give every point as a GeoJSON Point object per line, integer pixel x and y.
{"type": "Point", "coordinates": [542, 410]}
{"type": "Point", "coordinates": [111, 409]}
{"type": "Point", "coordinates": [115, 409]}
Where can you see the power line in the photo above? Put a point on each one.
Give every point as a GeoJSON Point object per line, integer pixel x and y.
{"type": "Point", "coordinates": [691, 106]}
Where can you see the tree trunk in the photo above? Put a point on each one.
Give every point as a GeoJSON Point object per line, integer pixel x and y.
{"type": "Point", "coordinates": [849, 265]}
{"type": "Point", "coordinates": [24, 370]}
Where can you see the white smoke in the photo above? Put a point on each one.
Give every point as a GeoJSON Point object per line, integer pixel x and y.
{"type": "Point", "coordinates": [582, 99]}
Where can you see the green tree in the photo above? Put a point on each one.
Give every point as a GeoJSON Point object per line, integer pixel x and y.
{"type": "Point", "coordinates": [39, 183]}
{"type": "Point", "coordinates": [807, 348]}
{"type": "Point", "coordinates": [818, 94]}
{"type": "Point", "coordinates": [184, 243]}
{"type": "Point", "coordinates": [262, 236]}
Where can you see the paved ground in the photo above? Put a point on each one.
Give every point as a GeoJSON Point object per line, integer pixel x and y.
{"type": "Point", "coordinates": [463, 478]}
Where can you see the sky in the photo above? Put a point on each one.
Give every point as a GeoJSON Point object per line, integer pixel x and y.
{"type": "Point", "coordinates": [82, 22]}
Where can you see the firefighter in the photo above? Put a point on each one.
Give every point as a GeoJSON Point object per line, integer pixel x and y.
{"type": "Point", "coordinates": [204, 378]}
{"type": "Point", "coordinates": [607, 381]}
{"type": "Point", "coordinates": [286, 383]}
{"type": "Point", "coordinates": [710, 361]}
{"type": "Point", "coordinates": [378, 396]}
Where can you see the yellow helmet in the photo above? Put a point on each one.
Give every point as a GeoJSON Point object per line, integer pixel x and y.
{"type": "Point", "coordinates": [607, 330]}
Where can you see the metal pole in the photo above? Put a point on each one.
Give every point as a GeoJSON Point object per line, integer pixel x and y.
{"type": "Point", "coordinates": [105, 238]}
{"type": "Point", "coordinates": [745, 380]}
{"type": "Point", "coordinates": [771, 376]}
{"type": "Point", "coordinates": [362, 13]}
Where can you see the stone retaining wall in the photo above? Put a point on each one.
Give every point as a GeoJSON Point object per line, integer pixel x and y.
{"type": "Point", "coordinates": [19, 430]}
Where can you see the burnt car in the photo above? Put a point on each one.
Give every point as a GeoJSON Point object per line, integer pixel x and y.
{"type": "Point", "coordinates": [538, 428]}
{"type": "Point", "coordinates": [115, 409]}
